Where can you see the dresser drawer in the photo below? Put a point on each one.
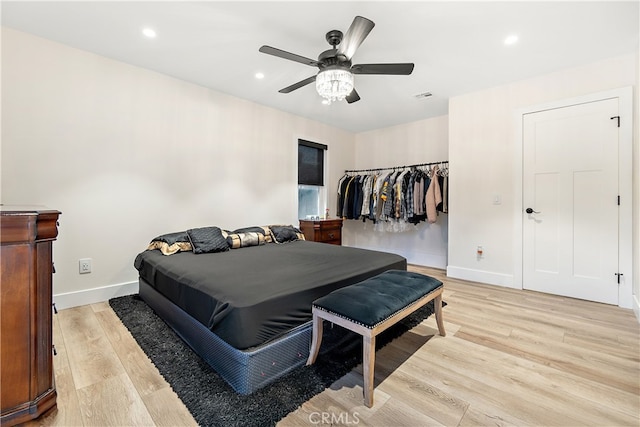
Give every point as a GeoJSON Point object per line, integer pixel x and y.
{"type": "Point", "coordinates": [323, 230]}
{"type": "Point", "coordinates": [330, 234]}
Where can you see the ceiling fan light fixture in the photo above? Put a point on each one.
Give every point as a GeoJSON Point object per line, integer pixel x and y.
{"type": "Point", "coordinates": [334, 84]}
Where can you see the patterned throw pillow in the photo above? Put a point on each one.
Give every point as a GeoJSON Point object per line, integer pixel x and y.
{"type": "Point", "coordinates": [285, 233]}
{"type": "Point", "coordinates": [265, 231]}
{"type": "Point", "coordinates": [207, 239]}
{"type": "Point", "coordinates": [171, 243]}
{"type": "Point", "coordinates": [242, 240]}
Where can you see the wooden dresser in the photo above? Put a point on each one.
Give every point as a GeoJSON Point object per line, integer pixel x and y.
{"type": "Point", "coordinates": [322, 230]}
{"type": "Point", "coordinates": [26, 359]}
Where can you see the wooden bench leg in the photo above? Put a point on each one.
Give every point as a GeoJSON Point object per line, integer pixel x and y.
{"type": "Point", "coordinates": [437, 303]}
{"type": "Point", "coordinates": [369, 336]}
{"type": "Point", "coordinates": [368, 366]}
{"type": "Point", "coordinates": [316, 338]}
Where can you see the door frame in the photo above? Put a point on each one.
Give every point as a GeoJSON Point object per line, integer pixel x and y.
{"type": "Point", "coordinates": [625, 180]}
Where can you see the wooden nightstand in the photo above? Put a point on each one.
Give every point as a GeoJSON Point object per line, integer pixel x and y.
{"type": "Point", "coordinates": [26, 323]}
{"type": "Point", "coordinates": [322, 230]}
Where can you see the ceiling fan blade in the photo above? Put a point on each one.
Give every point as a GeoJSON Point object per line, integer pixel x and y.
{"type": "Point", "coordinates": [298, 85]}
{"type": "Point", "coordinates": [403, 69]}
{"type": "Point", "coordinates": [355, 35]}
{"type": "Point", "coordinates": [288, 55]}
{"type": "Point", "coordinates": [353, 97]}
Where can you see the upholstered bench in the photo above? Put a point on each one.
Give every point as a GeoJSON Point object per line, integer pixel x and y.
{"type": "Point", "coordinates": [370, 307]}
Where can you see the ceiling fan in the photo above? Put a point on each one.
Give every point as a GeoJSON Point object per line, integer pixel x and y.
{"type": "Point", "coordinates": [334, 80]}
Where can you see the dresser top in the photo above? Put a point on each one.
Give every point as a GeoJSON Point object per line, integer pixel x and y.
{"type": "Point", "coordinates": [27, 224]}
{"type": "Point", "coordinates": [25, 209]}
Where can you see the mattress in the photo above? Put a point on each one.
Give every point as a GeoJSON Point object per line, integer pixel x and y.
{"type": "Point", "coordinates": [252, 295]}
{"type": "Point", "coordinates": [245, 370]}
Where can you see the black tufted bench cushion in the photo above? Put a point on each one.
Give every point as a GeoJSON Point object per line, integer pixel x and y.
{"type": "Point", "coordinates": [373, 305]}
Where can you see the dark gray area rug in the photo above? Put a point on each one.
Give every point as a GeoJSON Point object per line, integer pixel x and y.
{"type": "Point", "coordinates": [211, 401]}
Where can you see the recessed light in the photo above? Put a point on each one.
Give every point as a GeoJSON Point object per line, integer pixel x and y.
{"type": "Point", "coordinates": [259, 76]}
{"type": "Point", "coordinates": [511, 39]}
{"type": "Point", "coordinates": [325, 102]}
{"type": "Point", "coordinates": [149, 32]}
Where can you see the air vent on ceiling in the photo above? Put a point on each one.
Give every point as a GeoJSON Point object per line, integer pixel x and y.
{"type": "Point", "coordinates": [423, 95]}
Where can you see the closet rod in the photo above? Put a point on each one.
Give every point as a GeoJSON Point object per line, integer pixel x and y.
{"type": "Point", "coordinates": [396, 167]}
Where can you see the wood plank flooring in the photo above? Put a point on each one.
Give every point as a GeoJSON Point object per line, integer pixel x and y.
{"type": "Point", "coordinates": [510, 357]}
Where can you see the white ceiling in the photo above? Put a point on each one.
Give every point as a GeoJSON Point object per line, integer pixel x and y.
{"type": "Point", "coordinates": [457, 47]}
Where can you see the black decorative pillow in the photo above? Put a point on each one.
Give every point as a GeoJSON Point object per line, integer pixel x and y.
{"type": "Point", "coordinates": [207, 239]}
{"type": "Point", "coordinates": [171, 238]}
{"type": "Point", "coordinates": [265, 231]}
{"type": "Point", "coordinates": [171, 243]}
{"type": "Point", "coordinates": [285, 233]}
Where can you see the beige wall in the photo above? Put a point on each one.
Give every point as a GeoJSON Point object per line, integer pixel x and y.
{"type": "Point", "coordinates": [127, 154]}
{"type": "Point", "coordinates": [417, 142]}
{"type": "Point", "coordinates": [636, 192]}
{"type": "Point", "coordinates": [482, 150]}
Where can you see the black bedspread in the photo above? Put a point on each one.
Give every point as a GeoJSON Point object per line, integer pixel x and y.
{"type": "Point", "coordinates": [251, 295]}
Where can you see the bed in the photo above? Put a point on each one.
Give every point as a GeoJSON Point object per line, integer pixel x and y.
{"type": "Point", "coordinates": [247, 311]}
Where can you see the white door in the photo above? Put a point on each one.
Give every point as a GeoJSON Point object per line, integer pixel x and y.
{"type": "Point", "coordinates": [570, 182]}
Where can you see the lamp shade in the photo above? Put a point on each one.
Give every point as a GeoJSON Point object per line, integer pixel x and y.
{"type": "Point", "coordinates": [334, 84]}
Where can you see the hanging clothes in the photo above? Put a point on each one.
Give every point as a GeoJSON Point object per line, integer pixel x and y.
{"type": "Point", "coordinates": [342, 187]}
{"type": "Point", "coordinates": [418, 197]}
{"type": "Point", "coordinates": [357, 197]}
{"type": "Point", "coordinates": [393, 200]}
{"type": "Point", "coordinates": [445, 190]}
{"type": "Point", "coordinates": [433, 197]}
{"type": "Point", "coordinates": [347, 203]}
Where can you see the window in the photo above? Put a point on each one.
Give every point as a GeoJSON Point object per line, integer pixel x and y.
{"type": "Point", "coordinates": [311, 191]}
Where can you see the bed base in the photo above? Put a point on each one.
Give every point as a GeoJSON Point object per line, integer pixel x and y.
{"type": "Point", "coordinates": [245, 370]}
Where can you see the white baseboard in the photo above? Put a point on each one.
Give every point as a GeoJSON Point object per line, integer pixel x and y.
{"type": "Point", "coordinates": [636, 307]}
{"type": "Point", "coordinates": [92, 296]}
{"type": "Point", "coordinates": [480, 276]}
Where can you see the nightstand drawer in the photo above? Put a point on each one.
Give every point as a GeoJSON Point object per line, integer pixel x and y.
{"type": "Point", "coordinates": [331, 234]}
{"type": "Point", "coordinates": [322, 230]}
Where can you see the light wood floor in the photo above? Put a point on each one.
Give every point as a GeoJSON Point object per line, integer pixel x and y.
{"type": "Point", "coordinates": [510, 357]}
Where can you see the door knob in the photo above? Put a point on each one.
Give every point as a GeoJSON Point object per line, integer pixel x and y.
{"type": "Point", "coordinates": [530, 211]}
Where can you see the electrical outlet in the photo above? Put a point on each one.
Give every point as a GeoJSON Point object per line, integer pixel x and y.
{"type": "Point", "coordinates": [84, 265]}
